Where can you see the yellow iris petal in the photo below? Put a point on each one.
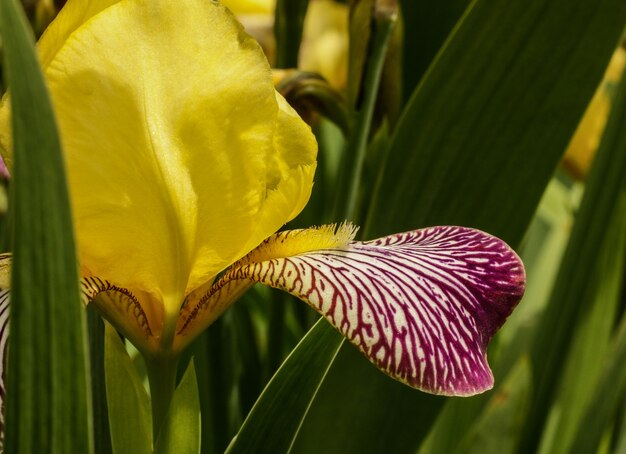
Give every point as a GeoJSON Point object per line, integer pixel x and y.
{"type": "Point", "coordinates": [181, 158]}
{"type": "Point", "coordinates": [250, 6]}
{"type": "Point", "coordinates": [70, 18]}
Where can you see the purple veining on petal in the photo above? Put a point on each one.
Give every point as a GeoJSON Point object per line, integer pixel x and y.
{"type": "Point", "coordinates": [4, 172]}
{"type": "Point", "coordinates": [421, 305]}
{"type": "Point", "coordinates": [114, 299]}
{"type": "Point", "coordinates": [4, 351]}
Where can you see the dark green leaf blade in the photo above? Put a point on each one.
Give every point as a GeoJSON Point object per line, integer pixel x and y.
{"type": "Point", "coordinates": [476, 146]}
{"type": "Point", "coordinates": [578, 282]}
{"type": "Point", "coordinates": [288, 25]}
{"type": "Point", "coordinates": [604, 402]}
{"type": "Point", "coordinates": [276, 417]}
{"type": "Point", "coordinates": [426, 26]}
{"type": "Point", "coordinates": [590, 337]}
{"type": "Point", "coordinates": [182, 429]}
{"type": "Point", "coordinates": [484, 131]}
{"type": "Point", "coordinates": [101, 432]}
{"type": "Point", "coordinates": [48, 403]}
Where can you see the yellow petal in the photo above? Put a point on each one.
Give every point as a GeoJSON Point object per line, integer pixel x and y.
{"type": "Point", "coordinates": [71, 17]}
{"type": "Point", "coordinates": [250, 6]}
{"type": "Point", "coordinates": [74, 14]}
{"type": "Point", "coordinates": [175, 144]}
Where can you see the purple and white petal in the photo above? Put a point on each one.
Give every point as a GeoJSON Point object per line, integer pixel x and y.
{"type": "Point", "coordinates": [5, 298]}
{"type": "Point", "coordinates": [421, 305]}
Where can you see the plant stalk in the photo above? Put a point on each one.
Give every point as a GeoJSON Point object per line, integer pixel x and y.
{"type": "Point", "coordinates": [356, 149]}
{"type": "Point", "coordinates": [162, 379]}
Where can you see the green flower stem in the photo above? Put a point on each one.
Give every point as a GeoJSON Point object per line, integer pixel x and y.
{"type": "Point", "coordinates": [356, 150]}
{"type": "Point", "coordinates": [162, 379]}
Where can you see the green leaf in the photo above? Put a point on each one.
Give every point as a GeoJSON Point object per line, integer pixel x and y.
{"type": "Point", "coordinates": [359, 37]}
{"type": "Point", "coordinates": [182, 428]}
{"type": "Point", "coordinates": [353, 159]}
{"type": "Point", "coordinates": [476, 145]}
{"type": "Point", "coordinates": [498, 428]}
{"type": "Point", "coordinates": [481, 137]}
{"type": "Point", "coordinates": [591, 337]}
{"type": "Point", "coordinates": [275, 419]}
{"type": "Point", "coordinates": [609, 392]}
{"type": "Point", "coordinates": [48, 399]}
{"type": "Point", "coordinates": [580, 278]}
{"type": "Point", "coordinates": [130, 418]}
{"type": "Point", "coordinates": [218, 380]}
{"type": "Point", "coordinates": [621, 438]}
{"type": "Point", "coordinates": [427, 24]}
{"type": "Point", "coordinates": [101, 432]}
{"type": "Point", "coordinates": [288, 25]}
{"type": "Point", "coordinates": [352, 429]}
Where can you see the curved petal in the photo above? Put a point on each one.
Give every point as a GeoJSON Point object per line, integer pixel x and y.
{"type": "Point", "coordinates": [421, 305]}
{"type": "Point", "coordinates": [5, 283]}
{"type": "Point", "coordinates": [4, 354]}
{"type": "Point", "coordinates": [74, 14]}
{"type": "Point", "coordinates": [131, 314]}
{"type": "Point", "coordinates": [174, 143]}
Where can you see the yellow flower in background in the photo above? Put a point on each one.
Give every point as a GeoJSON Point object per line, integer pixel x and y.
{"type": "Point", "coordinates": [586, 139]}
{"type": "Point", "coordinates": [183, 162]}
{"type": "Point", "coordinates": [242, 7]}
{"type": "Point", "coordinates": [324, 47]}
{"type": "Point", "coordinates": [257, 17]}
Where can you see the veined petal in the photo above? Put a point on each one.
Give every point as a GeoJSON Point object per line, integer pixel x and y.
{"type": "Point", "coordinates": [141, 323]}
{"type": "Point", "coordinates": [5, 277]}
{"type": "Point", "coordinates": [421, 305]}
{"type": "Point", "coordinates": [175, 143]}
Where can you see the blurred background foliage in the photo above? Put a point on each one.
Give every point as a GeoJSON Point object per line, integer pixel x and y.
{"type": "Point", "coordinates": [505, 116]}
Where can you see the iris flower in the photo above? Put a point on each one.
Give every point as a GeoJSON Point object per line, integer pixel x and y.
{"type": "Point", "coordinates": [183, 162]}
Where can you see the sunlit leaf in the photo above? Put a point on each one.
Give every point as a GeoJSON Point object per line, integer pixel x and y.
{"type": "Point", "coordinates": [182, 434]}
{"type": "Point", "coordinates": [129, 404]}
{"type": "Point", "coordinates": [580, 281]}
{"type": "Point", "coordinates": [476, 146]}
{"type": "Point", "coordinates": [604, 402]}
{"type": "Point", "coordinates": [591, 339]}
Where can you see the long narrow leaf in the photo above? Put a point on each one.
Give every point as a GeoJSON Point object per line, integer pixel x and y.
{"type": "Point", "coordinates": [591, 336]}
{"type": "Point", "coordinates": [277, 415]}
{"type": "Point", "coordinates": [288, 26]}
{"type": "Point", "coordinates": [577, 284]}
{"type": "Point", "coordinates": [609, 392]}
{"type": "Point", "coordinates": [128, 401]}
{"type": "Point", "coordinates": [477, 145]}
{"type": "Point", "coordinates": [48, 404]}
{"type": "Point", "coordinates": [101, 432]}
